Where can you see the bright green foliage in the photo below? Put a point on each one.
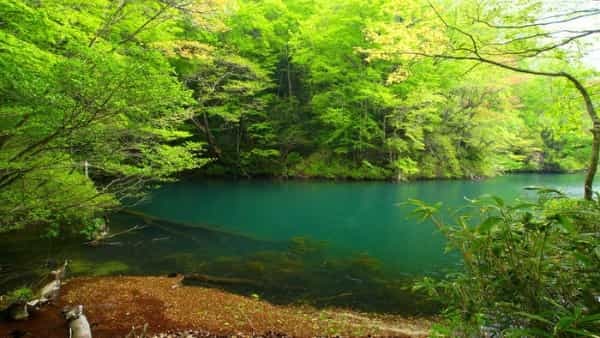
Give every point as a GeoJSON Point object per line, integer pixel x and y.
{"type": "Point", "coordinates": [319, 101]}
{"type": "Point", "coordinates": [558, 124]}
{"type": "Point", "coordinates": [290, 88]}
{"type": "Point", "coordinates": [529, 269]}
{"type": "Point", "coordinates": [66, 101]}
{"type": "Point", "coordinates": [505, 43]}
{"type": "Point", "coordinates": [102, 99]}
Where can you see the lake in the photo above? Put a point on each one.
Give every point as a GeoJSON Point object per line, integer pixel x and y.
{"type": "Point", "coordinates": [348, 244]}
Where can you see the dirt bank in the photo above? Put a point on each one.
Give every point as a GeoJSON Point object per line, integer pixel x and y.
{"type": "Point", "coordinates": [115, 304]}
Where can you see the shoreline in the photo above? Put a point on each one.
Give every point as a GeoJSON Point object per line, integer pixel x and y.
{"type": "Point", "coordinates": [114, 305]}
{"type": "Point", "coordinates": [341, 179]}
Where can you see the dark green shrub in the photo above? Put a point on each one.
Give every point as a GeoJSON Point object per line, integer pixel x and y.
{"type": "Point", "coordinates": [530, 269]}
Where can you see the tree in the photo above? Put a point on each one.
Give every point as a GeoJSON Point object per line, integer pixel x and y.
{"type": "Point", "coordinates": [510, 37]}
{"type": "Point", "coordinates": [114, 105]}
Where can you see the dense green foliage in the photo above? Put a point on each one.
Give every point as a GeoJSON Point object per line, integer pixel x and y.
{"type": "Point", "coordinates": [100, 98]}
{"type": "Point", "coordinates": [332, 106]}
{"type": "Point", "coordinates": [530, 269]}
{"type": "Point", "coordinates": [75, 91]}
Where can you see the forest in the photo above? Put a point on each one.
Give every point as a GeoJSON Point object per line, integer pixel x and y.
{"type": "Point", "coordinates": [104, 101]}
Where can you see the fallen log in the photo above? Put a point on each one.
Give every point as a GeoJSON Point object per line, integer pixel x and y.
{"type": "Point", "coordinates": [51, 290]}
{"type": "Point", "coordinates": [171, 225]}
{"type": "Point", "coordinates": [105, 236]}
{"type": "Point", "coordinates": [202, 278]}
{"type": "Point", "coordinates": [79, 326]}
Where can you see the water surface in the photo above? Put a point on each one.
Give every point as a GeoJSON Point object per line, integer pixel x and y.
{"type": "Point", "coordinates": [325, 243]}
{"type": "Point", "coordinates": [352, 217]}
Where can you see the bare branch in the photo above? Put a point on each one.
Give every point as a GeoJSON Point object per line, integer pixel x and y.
{"type": "Point", "coordinates": [539, 24]}
{"type": "Point", "coordinates": [532, 52]}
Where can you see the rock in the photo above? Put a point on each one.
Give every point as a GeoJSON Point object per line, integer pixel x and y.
{"type": "Point", "coordinates": [18, 311]}
{"type": "Point", "coordinates": [79, 327]}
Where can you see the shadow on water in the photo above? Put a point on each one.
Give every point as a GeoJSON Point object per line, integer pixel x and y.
{"type": "Point", "coordinates": [297, 271]}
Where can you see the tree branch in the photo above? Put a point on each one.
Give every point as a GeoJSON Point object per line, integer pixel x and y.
{"type": "Point", "coordinates": [588, 13]}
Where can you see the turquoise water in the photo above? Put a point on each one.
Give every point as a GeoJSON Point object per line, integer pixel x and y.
{"type": "Point", "coordinates": [350, 244]}
{"type": "Point", "coordinates": [352, 217]}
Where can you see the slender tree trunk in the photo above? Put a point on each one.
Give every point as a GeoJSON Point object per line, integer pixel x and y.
{"type": "Point", "coordinates": [238, 141]}
{"type": "Point", "coordinates": [289, 72]}
{"type": "Point", "coordinates": [589, 178]}
{"type": "Point", "coordinates": [589, 106]}
{"type": "Point", "coordinates": [209, 135]}
{"type": "Point", "coordinates": [205, 127]}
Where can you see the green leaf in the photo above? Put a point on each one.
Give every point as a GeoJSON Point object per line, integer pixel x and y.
{"type": "Point", "coordinates": [523, 205]}
{"type": "Point", "coordinates": [564, 323]}
{"type": "Point", "coordinates": [545, 190]}
{"type": "Point", "coordinates": [534, 317]}
{"type": "Point", "coordinates": [582, 333]}
{"type": "Point", "coordinates": [527, 332]}
{"type": "Point", "coordinates": [487, 225]}
{"type": "Point", "coordinates": [566, 223]}
{"type": "Point", "coordinates": [498, 200]}
{"type": "Point", "coordinates": [590, 318]}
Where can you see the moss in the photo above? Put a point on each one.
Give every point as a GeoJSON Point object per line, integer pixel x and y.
{"type": "Point", "coordinates": [19, 295]}
{"type": "Point", "coordinates": [79, 267]}
{"type": "Point", "coordinates": [304, 246]}
{"type": "Point", "coordinates": [184, 261]}
{"type": "Point", "coordinates": [111, 268]}
{"type": "Point", "coordinates": [255, 267]}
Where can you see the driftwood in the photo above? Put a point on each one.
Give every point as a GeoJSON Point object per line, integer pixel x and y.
{"type": "Point", "coordinates": [79, 326]}
{"type": "Point", "coordinates": [330, 298]}
{"type": "Point", "coordinates": [157, 222]}
{"type": "Point", "coordinates": [60, 272]}
{"type": "Point", "coordinates": [20, 310]}
{"type": "Point", "coordinates": [202, 278]}
{"type": "Point", "coordinates": [105, 236]}
{"type": "Point", "coordinates": [51, 290]}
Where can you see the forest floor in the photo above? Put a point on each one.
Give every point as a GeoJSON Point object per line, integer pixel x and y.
{"type": "Point", "coordinates": [114, 305]}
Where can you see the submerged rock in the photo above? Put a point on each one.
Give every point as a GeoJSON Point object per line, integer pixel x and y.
{"type": "Point", "coordinates": [18, 311]}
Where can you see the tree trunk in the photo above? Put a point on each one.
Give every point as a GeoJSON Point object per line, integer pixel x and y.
{"type": "Point", "coordinates": [588, 190]}
{"type": "Point", "coordinates": [289, 72]}
{"type": "Point", "coordinates": [589, 178]}
{"type": "Point", "coordinates": [210, 139]}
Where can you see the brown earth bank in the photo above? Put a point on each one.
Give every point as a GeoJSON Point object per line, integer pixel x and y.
{"type": "Point", "coordinates": [114, 305]}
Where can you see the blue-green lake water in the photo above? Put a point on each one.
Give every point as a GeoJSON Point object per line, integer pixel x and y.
{"type": "Point", "coordinates": [352, 217]}
{"type": "Point", "coordinates": [326, 243]}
